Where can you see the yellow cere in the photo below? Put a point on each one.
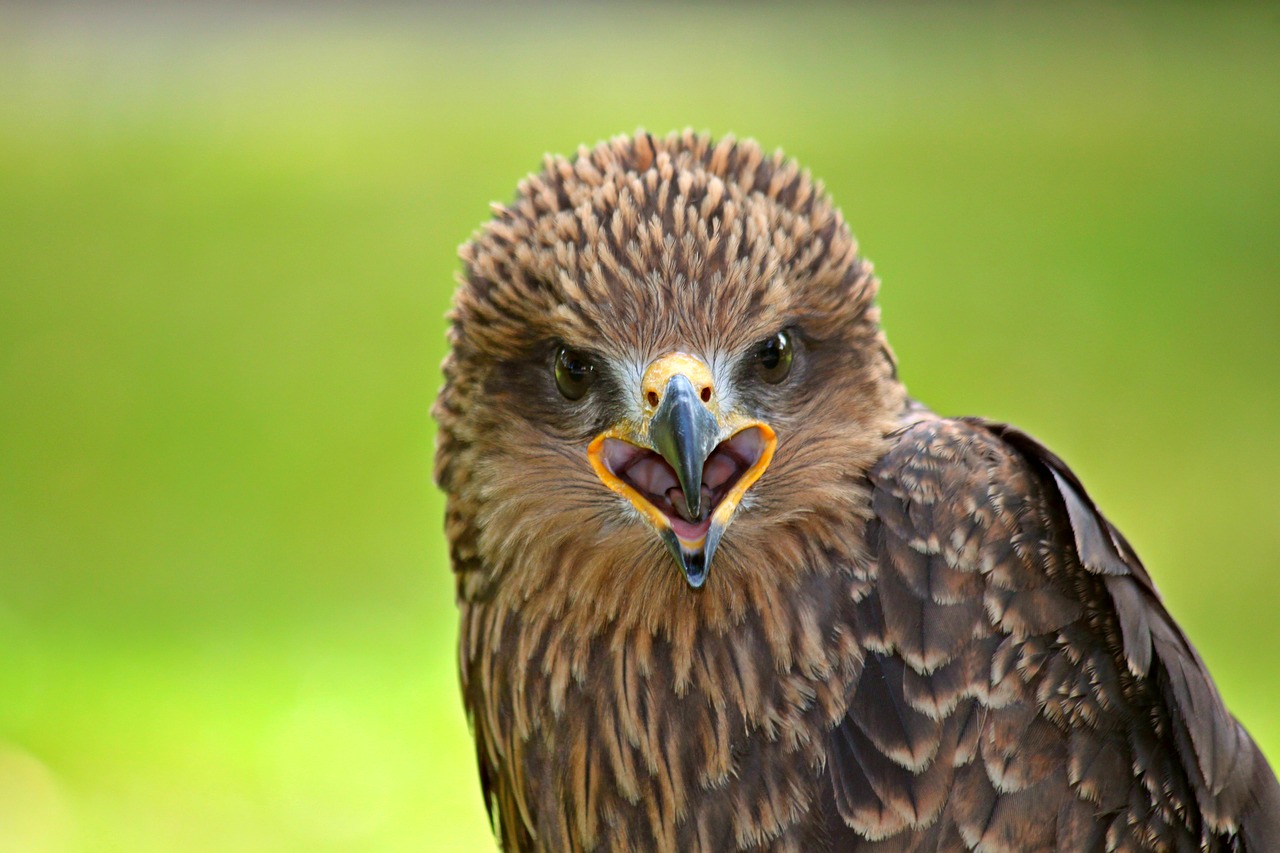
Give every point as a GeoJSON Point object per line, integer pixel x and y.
{"type": "Point", "coordinates": [660, 372]}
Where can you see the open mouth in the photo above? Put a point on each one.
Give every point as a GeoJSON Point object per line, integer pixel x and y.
{"type": "Point", "coordinates": [654, 480]}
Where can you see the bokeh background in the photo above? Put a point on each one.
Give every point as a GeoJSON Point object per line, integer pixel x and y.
{"type": "Point", "coordinates": [227, 240]}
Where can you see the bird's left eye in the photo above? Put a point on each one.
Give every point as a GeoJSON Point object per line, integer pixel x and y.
{"type": "Point", "coordinates": [773, 357]}
{"type": "Point", "coordinates": [574, 373]}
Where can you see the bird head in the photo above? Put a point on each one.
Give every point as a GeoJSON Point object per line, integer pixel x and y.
{"type": "Point", "coordinates": [665, 364]}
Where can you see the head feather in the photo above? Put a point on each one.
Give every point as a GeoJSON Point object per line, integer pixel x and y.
{"type": "Point", "coordinates": [629, 237]}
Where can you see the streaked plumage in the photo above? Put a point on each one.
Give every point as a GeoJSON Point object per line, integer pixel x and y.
{"type": "Point", "coordinates": [916, 633]}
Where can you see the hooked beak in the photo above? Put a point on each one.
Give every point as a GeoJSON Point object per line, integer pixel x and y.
{"type": "Point", "coordinates": [687, 466]}
{"type": "Point", "coordinates": [685, 433]}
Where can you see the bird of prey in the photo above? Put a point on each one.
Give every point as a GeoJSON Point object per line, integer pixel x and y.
{"type": "Point", "coordinates": [725, 586]}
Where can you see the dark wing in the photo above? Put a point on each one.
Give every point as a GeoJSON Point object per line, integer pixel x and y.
{"type": "Point", "coordinates": [1024, 688]}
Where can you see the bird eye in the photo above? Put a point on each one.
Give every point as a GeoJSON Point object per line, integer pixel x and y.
{"type": "Point", "coordinates": [773, 357]}
{"type": "Point", "coordinates": [574, 373]}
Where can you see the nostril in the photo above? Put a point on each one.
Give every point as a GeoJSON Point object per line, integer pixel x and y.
{"type": "Point", "coordinates": [653, 398]}
{"type": "Point", "coordinates": [706, 393]}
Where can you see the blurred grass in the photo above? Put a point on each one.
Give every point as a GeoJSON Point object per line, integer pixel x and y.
{"type": "Point", "coordinates": [226, 242]}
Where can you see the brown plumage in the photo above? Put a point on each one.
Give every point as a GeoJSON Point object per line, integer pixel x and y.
{"type": "Point", "coordinates": [898, 632]}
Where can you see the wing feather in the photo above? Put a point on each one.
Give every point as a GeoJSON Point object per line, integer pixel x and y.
{"type": "Point", "coordinates": [1213, 748]}
{"type": "Point", "coordinates": [1019, 660]}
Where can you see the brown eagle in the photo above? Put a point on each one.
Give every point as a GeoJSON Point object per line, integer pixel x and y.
{"type": "Point", "coordinates": [726, 586]}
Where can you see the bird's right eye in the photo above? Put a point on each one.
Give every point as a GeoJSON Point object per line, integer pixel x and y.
{"type": "Point", "coordinates": [574, 373]}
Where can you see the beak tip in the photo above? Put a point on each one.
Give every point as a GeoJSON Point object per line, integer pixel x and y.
{"type": "Point", "coordinates": [693, 564]}
{"type": "Point", "coordinates": [696, 564]}
{"type": "Point", "coordinates": [695, 569]}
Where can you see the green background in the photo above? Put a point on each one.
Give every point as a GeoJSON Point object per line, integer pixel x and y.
{"type": "Point", "coordinates": [227, 240]}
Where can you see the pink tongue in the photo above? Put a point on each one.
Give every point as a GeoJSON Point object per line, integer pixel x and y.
{"type": "Point", "coordinates": [690, 532]}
